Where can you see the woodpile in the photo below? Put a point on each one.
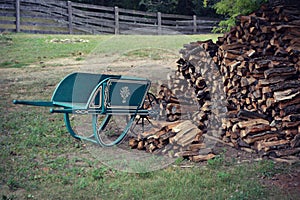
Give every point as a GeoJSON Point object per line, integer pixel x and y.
{"type": "Point", "coordinates": [186, 101]}
{"type": "Point", "coordinates": [246, 85]}
{"type": "Point", "coordinates": [174, 139]}
{"type": "Point", "coordinates": [260, 66]}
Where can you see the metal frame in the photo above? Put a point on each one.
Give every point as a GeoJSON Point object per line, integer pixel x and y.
{"type": "Point", "coordinates": [98, 85]}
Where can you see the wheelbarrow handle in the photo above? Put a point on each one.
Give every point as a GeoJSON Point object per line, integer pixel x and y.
{"type": "Point", "coordinates": [34, 103]}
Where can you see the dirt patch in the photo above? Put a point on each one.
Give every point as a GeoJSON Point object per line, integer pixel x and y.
{"type": "Point", "coordinates": [287, 182]}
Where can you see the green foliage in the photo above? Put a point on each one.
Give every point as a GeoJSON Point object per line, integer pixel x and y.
{"type": "Point", "coordinates": [178, 161]}
{"type": "Point", "coordinates": [12, 183]}
{"type": "Point", "coordinates": [216, 162]}
{"type": "Point", "coordinates": [167, 6]}
{"type": "Point", "coordinates": [129, 4]}
{"type": "Point", "coordinates": [266, 168]}
{"type": "Point", "coordinates": [233, 8]}
{"type": "Point", "coordinates": [204, 8]}
{"type": "Point", "coordinates": [224, 176]}
{"type": "Point", "coordinates": [152, 53]}
{"type": "Point", "coordinates": [11, 197]}
{"type": "Point", "coordinates": [5, 39]}
{"type": "Point", "coordinates": [99, 173]}
{"type": "Point", "coordinates": [184, 7]}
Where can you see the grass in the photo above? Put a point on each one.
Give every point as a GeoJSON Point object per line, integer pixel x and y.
{"type": "Point", "coordinates": [19, 50]}
{"type": "Point", "coordinates": [22, 50]}
{"type": "Point", "coordinates": [39, 159]}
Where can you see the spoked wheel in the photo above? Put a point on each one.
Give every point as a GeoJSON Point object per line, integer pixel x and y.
{"type": "Point", "coordinates": [111, 129]}
{"type": "Point", "coordinates": [144, 123]}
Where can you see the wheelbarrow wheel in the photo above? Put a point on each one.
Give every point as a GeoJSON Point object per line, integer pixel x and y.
{"type": "Point", "coordinates": [111, 129]}
{"type": "Point", "coordinates": [145, 122]}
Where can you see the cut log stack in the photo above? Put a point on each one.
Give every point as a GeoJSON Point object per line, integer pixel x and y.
{"type": "Point", "coordinates": [260, 65]}
{"type": "Point", "coordinates": [174, 139]}
{"type": "Point", "coordinates": [185, 100]}
{"type": "Point", "coordinates": [254, 72]}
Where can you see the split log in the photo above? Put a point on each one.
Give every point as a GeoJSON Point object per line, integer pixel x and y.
{"type": "Point", "coordinates": [261, 136]}
{"type": "Point", "coordinates": [244, 114]}
{"type": "Point", "coordinates": [286, 94]}
{"type": "Point", "coordinates": [266, 146]}
{"type": "Point", "coordinates": [296, 141]}
{"type": "Point", "coordinates": [200, 158]}
{"type": "Point", "coordinates": [287, 159]}
{"type": "Point", "coordinates": [252, 122]}
{"type": "Point", "coordinates": [197, 147]}
{"type": "Point", "coordinates": [287, 152]}
{"type": "Point", "coordinates": [280, 72]}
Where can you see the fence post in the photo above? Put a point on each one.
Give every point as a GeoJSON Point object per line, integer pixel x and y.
{"type": "Point", "coordinates": [70, 17]}
{"type": "Point", "coordinates": [18, 16]}
{"type": "Point", "coordinates": [195, 24]}
{"type": "Point", "coordinates": [159, 23]}
{"type": "Point", "coordinates": [117, 25]}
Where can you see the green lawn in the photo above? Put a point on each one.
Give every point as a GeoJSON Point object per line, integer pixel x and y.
{"type": "Point", "coordinates": [39, 159]}
{"type": "Point", "coordinates": [21, 49]}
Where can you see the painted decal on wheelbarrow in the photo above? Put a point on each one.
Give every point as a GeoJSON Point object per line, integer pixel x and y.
{"type": "Point", "coordinates": [124, 93]}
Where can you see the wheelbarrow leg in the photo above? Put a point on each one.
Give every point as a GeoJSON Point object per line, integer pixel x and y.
{"type": "Point", "coordinates": [69, 127]}
{"type": "Point", "coordinates": [72, 132]}
{"type": "Point", "coordinates": [98, 131]}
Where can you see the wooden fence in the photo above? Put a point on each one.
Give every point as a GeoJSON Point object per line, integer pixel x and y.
{"type": "Point", "coordinates": [66, 17]}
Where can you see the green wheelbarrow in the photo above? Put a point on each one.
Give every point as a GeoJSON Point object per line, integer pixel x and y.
{"type": "Point", "coordinates": [102, 96]}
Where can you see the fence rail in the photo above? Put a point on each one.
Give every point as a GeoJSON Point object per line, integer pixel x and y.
{"type": "Point", "coordinates": [66, 17]}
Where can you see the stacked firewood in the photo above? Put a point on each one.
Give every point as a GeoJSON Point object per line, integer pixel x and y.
{"type": "Point", "coordinates": [251, 75]}
{"type": "Point", "coordinates": [174, 139]}
{"type": "Point", "coordinates": [260, 65]}
{"type": "Point", "coordinates": [186, 100]}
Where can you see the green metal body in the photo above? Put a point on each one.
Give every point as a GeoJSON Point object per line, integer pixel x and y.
{"type": "Point", "coordinates": [97, 94]}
